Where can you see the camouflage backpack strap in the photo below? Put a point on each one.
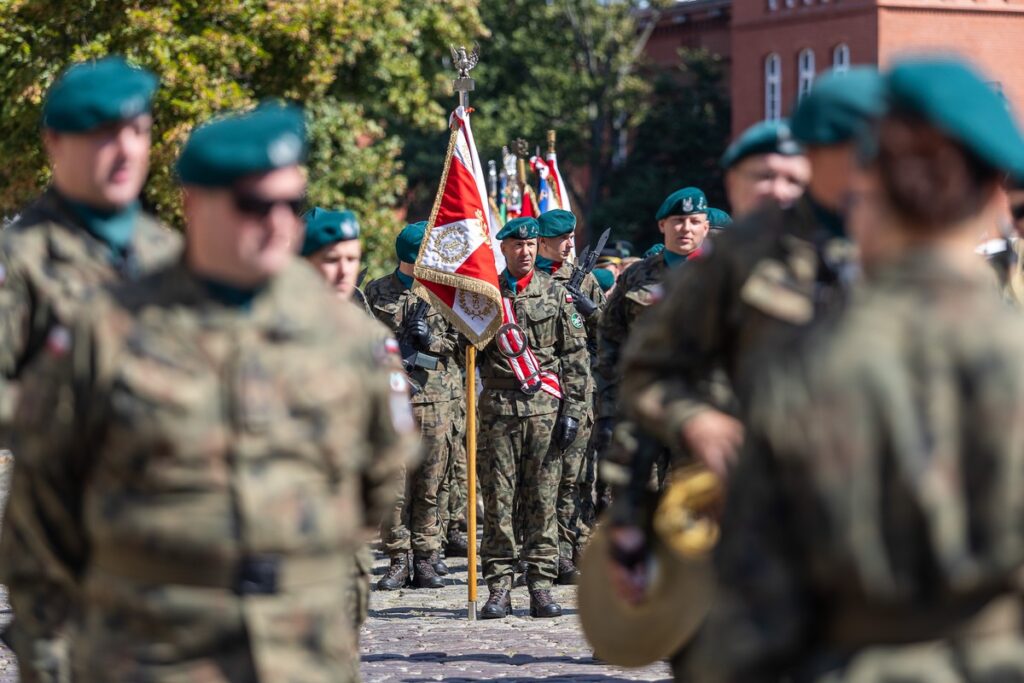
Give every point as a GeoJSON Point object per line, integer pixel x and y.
{"type": "Point", "coordinates": [513, 345]}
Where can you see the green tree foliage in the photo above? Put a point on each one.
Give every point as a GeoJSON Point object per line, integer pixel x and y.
{"type": "Point", "coordinates": [567, 65]}
{"type": "Point", "coordinates": [357, 65]}
{"type": "Point", "coordinates": [678, 144]}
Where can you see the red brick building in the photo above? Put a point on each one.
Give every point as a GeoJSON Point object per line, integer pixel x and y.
{"type": "Point", "coordinates": [776, 47]}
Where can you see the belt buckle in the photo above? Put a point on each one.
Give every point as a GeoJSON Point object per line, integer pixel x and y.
{"type": "Point", "coordinates": [258, 574]}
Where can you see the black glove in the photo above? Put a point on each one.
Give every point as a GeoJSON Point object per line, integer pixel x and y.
{"type": "Point", "coordinates": [566, 429]}
{"type": "Point", "coordinates": [419, 331]}
{"type": "Point", "coordinates": [603, 434]}
{"type": "Point", "coordinates": [585, 306]}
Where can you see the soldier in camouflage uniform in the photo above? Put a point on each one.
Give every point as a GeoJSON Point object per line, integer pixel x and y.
{"type": "Point", "coordinates": [557, 231]}
{"type": "Point", "coordinates": [872, 530]}
{"type": "Point", "coordinates": [761, 281]}
{"type": "Point", "coordinates": [682, 219]}
{"type": "Point", "coordinates": [453, 498]}
{"type": "Point", "coordinates": [200, 454]}
{"type": "Point", "coordinates": [431, 352]}
{"type": "Point", "coordinates": [331, 245]}
{"type": "Point", "coordinates": [534, 399]}
{"type": "Point", "coordinates": [87, 228]}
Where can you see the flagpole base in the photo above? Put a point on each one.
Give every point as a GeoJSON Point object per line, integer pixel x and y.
{"type": "Point", "coordinates": [471, 610]}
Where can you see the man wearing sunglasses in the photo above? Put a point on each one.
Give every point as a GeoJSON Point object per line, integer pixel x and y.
{"type": "Point", "coordinates": [86, 229]}
{"type": "Point", "coordinates": [240, 432]}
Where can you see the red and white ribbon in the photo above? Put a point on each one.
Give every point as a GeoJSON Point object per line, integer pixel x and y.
{"type": "Point", "coordinates": [513, 344]}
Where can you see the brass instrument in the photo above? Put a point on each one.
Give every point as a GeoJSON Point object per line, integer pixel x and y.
{"type": "Point", "coordinates": [680, 583]}
{"type": "Point", "coordinates": [687, 515]}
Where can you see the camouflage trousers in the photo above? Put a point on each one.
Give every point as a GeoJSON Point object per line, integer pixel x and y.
{"type": "Point", "coordinates": [359, 594]}
{"type": "Point", "coordinates": [452, 502]}
{"type": "Point", "coordinates": [415, 522]}
{"type": "Point", "coordinates": [569, 498]}
{"type": "Point", "coordinates": [519, 468]}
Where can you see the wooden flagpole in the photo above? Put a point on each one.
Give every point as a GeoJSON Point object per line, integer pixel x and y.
{"type": "Point", "coordinates": [471, 479]}
{"type": "Point", "coordinates": [464, 61]}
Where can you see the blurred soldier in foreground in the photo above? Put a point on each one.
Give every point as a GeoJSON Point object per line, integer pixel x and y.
{"type": "Point", "coordinates": [764, 167]}
{"type": "Point", "coordinates": [534, 399]}
{"type": "Point", "coordinates": [430, 350]}
{"type": "Point", "coordinates": [557, 236]}
{"type": "Point", "coordinates": [873, 525]}
{"type": "Point", "coordinates": [86, 229]}
{"type": "Point", "coordinates": [200, 455]}
{"type": "Point", "coordinates": [762, 281]}
{"type": "Point", "coordinates": [331, 245]}
{"type": "Point", "coordinates": [683, 220]}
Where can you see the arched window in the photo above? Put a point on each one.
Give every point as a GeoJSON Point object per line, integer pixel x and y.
{"type": "Point", "coordinates": [772, 87]}
{"type": "Point", "coordinates": [805, 72]}
{"type": "Point", "coordinates": [841, 57]}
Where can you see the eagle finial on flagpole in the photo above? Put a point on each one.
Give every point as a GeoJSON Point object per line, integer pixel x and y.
{"type": "Point", "coordinates": [464, 61]}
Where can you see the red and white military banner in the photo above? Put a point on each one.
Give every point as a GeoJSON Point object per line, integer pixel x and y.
{"type": "Point", "coordinates": [460, 258]}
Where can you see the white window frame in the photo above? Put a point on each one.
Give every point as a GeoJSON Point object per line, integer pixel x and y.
{"type": "Point", "coordinates": [841, 58]}
{"type": "Point", "coordinates": [773, 87]}
{"type": "Point", "coordinates": [805, 69]}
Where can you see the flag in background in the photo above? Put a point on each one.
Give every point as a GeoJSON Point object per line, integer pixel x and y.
{"type": "Point", "coordinates": [460, 258]}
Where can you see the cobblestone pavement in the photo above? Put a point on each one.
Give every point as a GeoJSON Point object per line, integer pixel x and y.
{"type": "Point", "coordinates": [423, 635]}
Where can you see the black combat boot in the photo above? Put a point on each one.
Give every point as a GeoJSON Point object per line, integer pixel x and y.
{"type": "Point", "coordinates": [568, 574]}
{"type": "Point", "coordinates": [424, 575]}
{"type": "Point", "coordinates": [398, 574]}
{"type": "Point", "coordinates": [457, 545]}
{"type": "Point", "coordinates": [542, 605]}
{"type": "Point", "coordinates": [437, 560]}
{"type": "Point", "coordinates": [498, 605]}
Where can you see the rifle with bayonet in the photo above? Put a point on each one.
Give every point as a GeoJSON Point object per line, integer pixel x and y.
{"type": "Point", "coordinates": [586, 262]}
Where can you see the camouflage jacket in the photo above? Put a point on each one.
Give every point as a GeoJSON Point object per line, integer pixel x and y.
{"type": "Point", "coordinates": [49, 262]}
{"type": "Point", "coordinates": [198, 476]}
{"type": "Point", "coordinates": [390, 303]}
{"type": "Point", "coordinates": [594, 291]}
{"type": "Point", "coordinates": [877, 502]}
{"type": "Point", "coordinates": [558, 337]}
{"type": "Point", "coordinates": [753, 289]}
{"type": "Point", "coordinates": [636, 289]}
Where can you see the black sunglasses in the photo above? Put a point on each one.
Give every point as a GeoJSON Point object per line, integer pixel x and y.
{"type": "Point", "coordinates": [261, 207]}
{"type": "Point", "coordinates": [1017, 212]}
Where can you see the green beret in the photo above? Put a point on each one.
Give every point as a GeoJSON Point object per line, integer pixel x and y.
{"type": "Point", "coordinates": [325, 227]}
{"type": "Point", "coordinates": [958, 101]}
{"type": "Point", "coordinates": [90, 94]}
{"type": "Point", "coordinates": [556, 223]}
{"type": "Point", "coordinates": [718, 218]}
{"type": "Point", "coordinates": [767, 137]}
{"type": "Point", "coordinates": [683, 202]}
{"type": "Point", "coordinates": [407, 244]}
{"type": "Point", "coordinates": [840, 105]}
{"type": "Point", "coordinates": [219, 153]}
{"type": "Point", "coordinates": [605, 278]}
{"type": "Point", "coordinates": [524, 228]}
{"type": "Point", "coordinates": [654, 251]}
